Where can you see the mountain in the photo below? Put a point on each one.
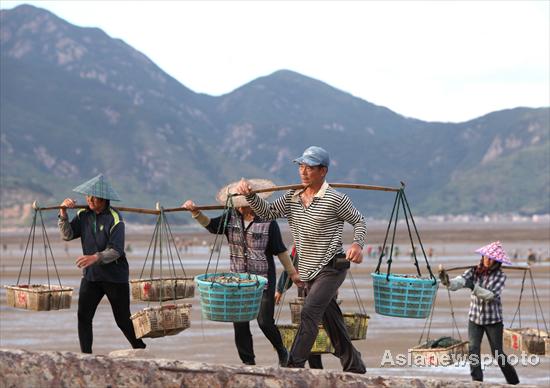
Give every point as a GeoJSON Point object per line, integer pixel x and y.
{"type": "Point", "coordinates": [76, 102]}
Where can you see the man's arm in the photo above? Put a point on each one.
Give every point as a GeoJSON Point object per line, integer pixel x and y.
{"type": "Point", "coordinates": [68, 230]}
{"type": "Point", "coordinates": [268, 211]}
{"type": "Point", "coordinates": [348, 213]}
{"type": "Point", "coordinates": [65, 228]}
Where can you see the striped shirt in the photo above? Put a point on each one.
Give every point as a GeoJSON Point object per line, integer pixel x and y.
{"type": "Point", "coordinates": [481, 312]}
{"type": "Point", "coordinates": [316, 229]}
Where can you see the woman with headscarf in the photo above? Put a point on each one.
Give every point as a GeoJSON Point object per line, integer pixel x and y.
{"type": "Point", "coordinates": [486, 281]}
{"type": "Point", "coordinates": [104, 265]}
{"type": "Point", "coordinates": [253, 242]}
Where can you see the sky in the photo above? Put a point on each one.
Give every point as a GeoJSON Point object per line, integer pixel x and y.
{"type": "Point", "coordinates": [431, 60]}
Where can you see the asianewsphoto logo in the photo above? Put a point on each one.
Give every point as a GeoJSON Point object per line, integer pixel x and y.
{"type": "Point", "coordinates": [433, 359]}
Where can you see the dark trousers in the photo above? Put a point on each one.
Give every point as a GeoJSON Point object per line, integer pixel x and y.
{"type": "Point", "coordinates": [314, 360]}
{"type": "Point", "coordinates": [494, 334]}
{"type": "Point", "coordinates": [89, 297]}
{"type": "Point", "coordinates": [320, 306]}
{"type": "Point", "coordinates": [243, 336]}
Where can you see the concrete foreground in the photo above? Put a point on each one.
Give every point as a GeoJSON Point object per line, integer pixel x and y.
{"type": "Point", "coordinates": [21, 368]}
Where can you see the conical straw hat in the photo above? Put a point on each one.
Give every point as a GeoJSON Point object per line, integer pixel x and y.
{"type": "Point", "coordinates": [495, 251]}
{"type": "Point", "coordinates": [98, 187]}
{"type": "Point", "coordinates": [239, 200]}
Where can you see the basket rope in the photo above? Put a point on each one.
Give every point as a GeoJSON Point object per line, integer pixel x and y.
{"type": "Point", "coordinates": [228, 210]}
{"type": "Point", "coordinates": [401, 201]}
{"type": "Point", "coordinates": [162, 241]}
{"type": "Point", "coordinates": [455, 326]}
{"type": "Point", "coordinates": [428, 321]}
{"type": "Point", "coordinates": [47, 248]}
{"type": "Point", "coordinates": [536, 304]}
{"type": "Point", "coordinates": [221, 226]}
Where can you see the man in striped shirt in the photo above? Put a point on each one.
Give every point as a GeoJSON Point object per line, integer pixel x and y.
{"type": "Point", "coordinates": [316, 216]}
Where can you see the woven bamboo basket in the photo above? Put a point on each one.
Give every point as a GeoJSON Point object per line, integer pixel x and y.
{"type": "Point", "coordinates": [39, 297]}
{"type": "Point", "coordinates": [162, 289]}
{"type": "Point", "coordinates": [321, 345]}
{"type": "Point", "coordinates": [161, 321]}
{"type": "Point", "coordinates": [526, 339]}
{"type": "Point", "coordinates": [357, 324]}
{"type": "Point", "coordinates": [422, 355]}
{"type": "Point", "coordinates": [296, 309]}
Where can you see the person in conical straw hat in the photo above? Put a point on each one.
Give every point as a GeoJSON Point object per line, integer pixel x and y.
{"type": "Point", "coordinates": [103, 262]}
{"type": "Point", "coordinates": [486, 281]}
{"type": "Point", "coordinates": [253, 242]}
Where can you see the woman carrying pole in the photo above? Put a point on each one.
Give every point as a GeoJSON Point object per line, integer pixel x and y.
{"type": "Point", "coordinates": [486, 281]}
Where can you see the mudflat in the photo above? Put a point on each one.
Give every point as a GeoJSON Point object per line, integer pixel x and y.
{"type": "Point", "coordinates": [449, 244]}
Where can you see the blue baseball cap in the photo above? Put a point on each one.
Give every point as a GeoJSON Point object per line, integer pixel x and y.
{"type": "Point", "coordinates": [314, 156]}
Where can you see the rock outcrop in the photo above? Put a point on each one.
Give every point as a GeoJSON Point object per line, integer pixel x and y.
{"type": "Point", "coordinates": [21, 368]}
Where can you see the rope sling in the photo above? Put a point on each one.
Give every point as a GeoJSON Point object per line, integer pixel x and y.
{"type": "Point", "coordinates": [401, 201]}
{"type": "Point", "coordinates": [164, 242]}
{"type": "Point", "coordinates": [170, 318]}
{"type": "Point", "coordinates": [35, 296]}
{"type": "Point", "coordinates": [403, 296]}
{"type": "Point", "coordinates": [428, 323]}
{"type": "Point", "coordinates": [536, 304]}
{"type": "Point", "coordinates": [228, 212]}
{"type": "Point", "coordinates": [47, 248]}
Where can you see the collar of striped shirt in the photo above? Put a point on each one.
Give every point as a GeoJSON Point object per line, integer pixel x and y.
{"type": "Point", "coordinates": [319, 194]}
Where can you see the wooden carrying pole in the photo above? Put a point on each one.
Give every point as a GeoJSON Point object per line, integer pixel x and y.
{"type": "Point", "coordinates": [121, 208]}
{"type": "Point", "coordinates": [337, 185]}
{"type": "Point", "coordinates": [293, 187]}
{"type": "Point", "coordinates": [134, 209]}
{"type": "Point", "coordinates": [220, 207]}
{"type": "Point", "coordinates": [518, 268]}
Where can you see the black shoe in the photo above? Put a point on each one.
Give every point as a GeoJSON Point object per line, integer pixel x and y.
{"type": "Point", "coordinates": [249, 362]}
{"type": "Point", "coordinates": [283, 357]}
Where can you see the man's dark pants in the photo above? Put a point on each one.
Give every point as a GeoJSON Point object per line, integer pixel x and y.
{"type": "Point", "coordinates": [320, 306]}
{"type": "Point", "coordinates": [494, 334]}
{"type": "Point", "coordinates": [89, 297]}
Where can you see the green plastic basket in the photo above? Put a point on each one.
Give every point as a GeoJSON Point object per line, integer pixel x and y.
{"type": "Point", "coordinates": [403, 296]}
{"type": "Point", "coordinates": [230, 302]}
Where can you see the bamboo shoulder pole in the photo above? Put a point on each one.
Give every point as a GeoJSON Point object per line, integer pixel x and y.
{"type": "Point", "coordinates": [336, 185]}
{"type": "Point", "coordinates": [120, 208]}
{"type": "Point", "coordinates": [221, 207]}
{"type": "Point", "coordinates": [513, 267]}
{"type": "Point", "coordinates": [293, 187]}
{"type": "Point", "coordinates": [205, 207]}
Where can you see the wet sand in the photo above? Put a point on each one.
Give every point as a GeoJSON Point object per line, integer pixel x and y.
{"type": "Point", "coordinates": [213, 341]}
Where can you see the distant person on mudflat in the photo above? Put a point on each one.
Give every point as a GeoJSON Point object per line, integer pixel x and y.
{"type": "Point", "coordinates": [104, 265]}
{"type": "Point", "coordinates": [253, 242]}
{"type": "Point", "coordinates": [316, 214]}
{"type": "Point", "coordinates": [486, 281]}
